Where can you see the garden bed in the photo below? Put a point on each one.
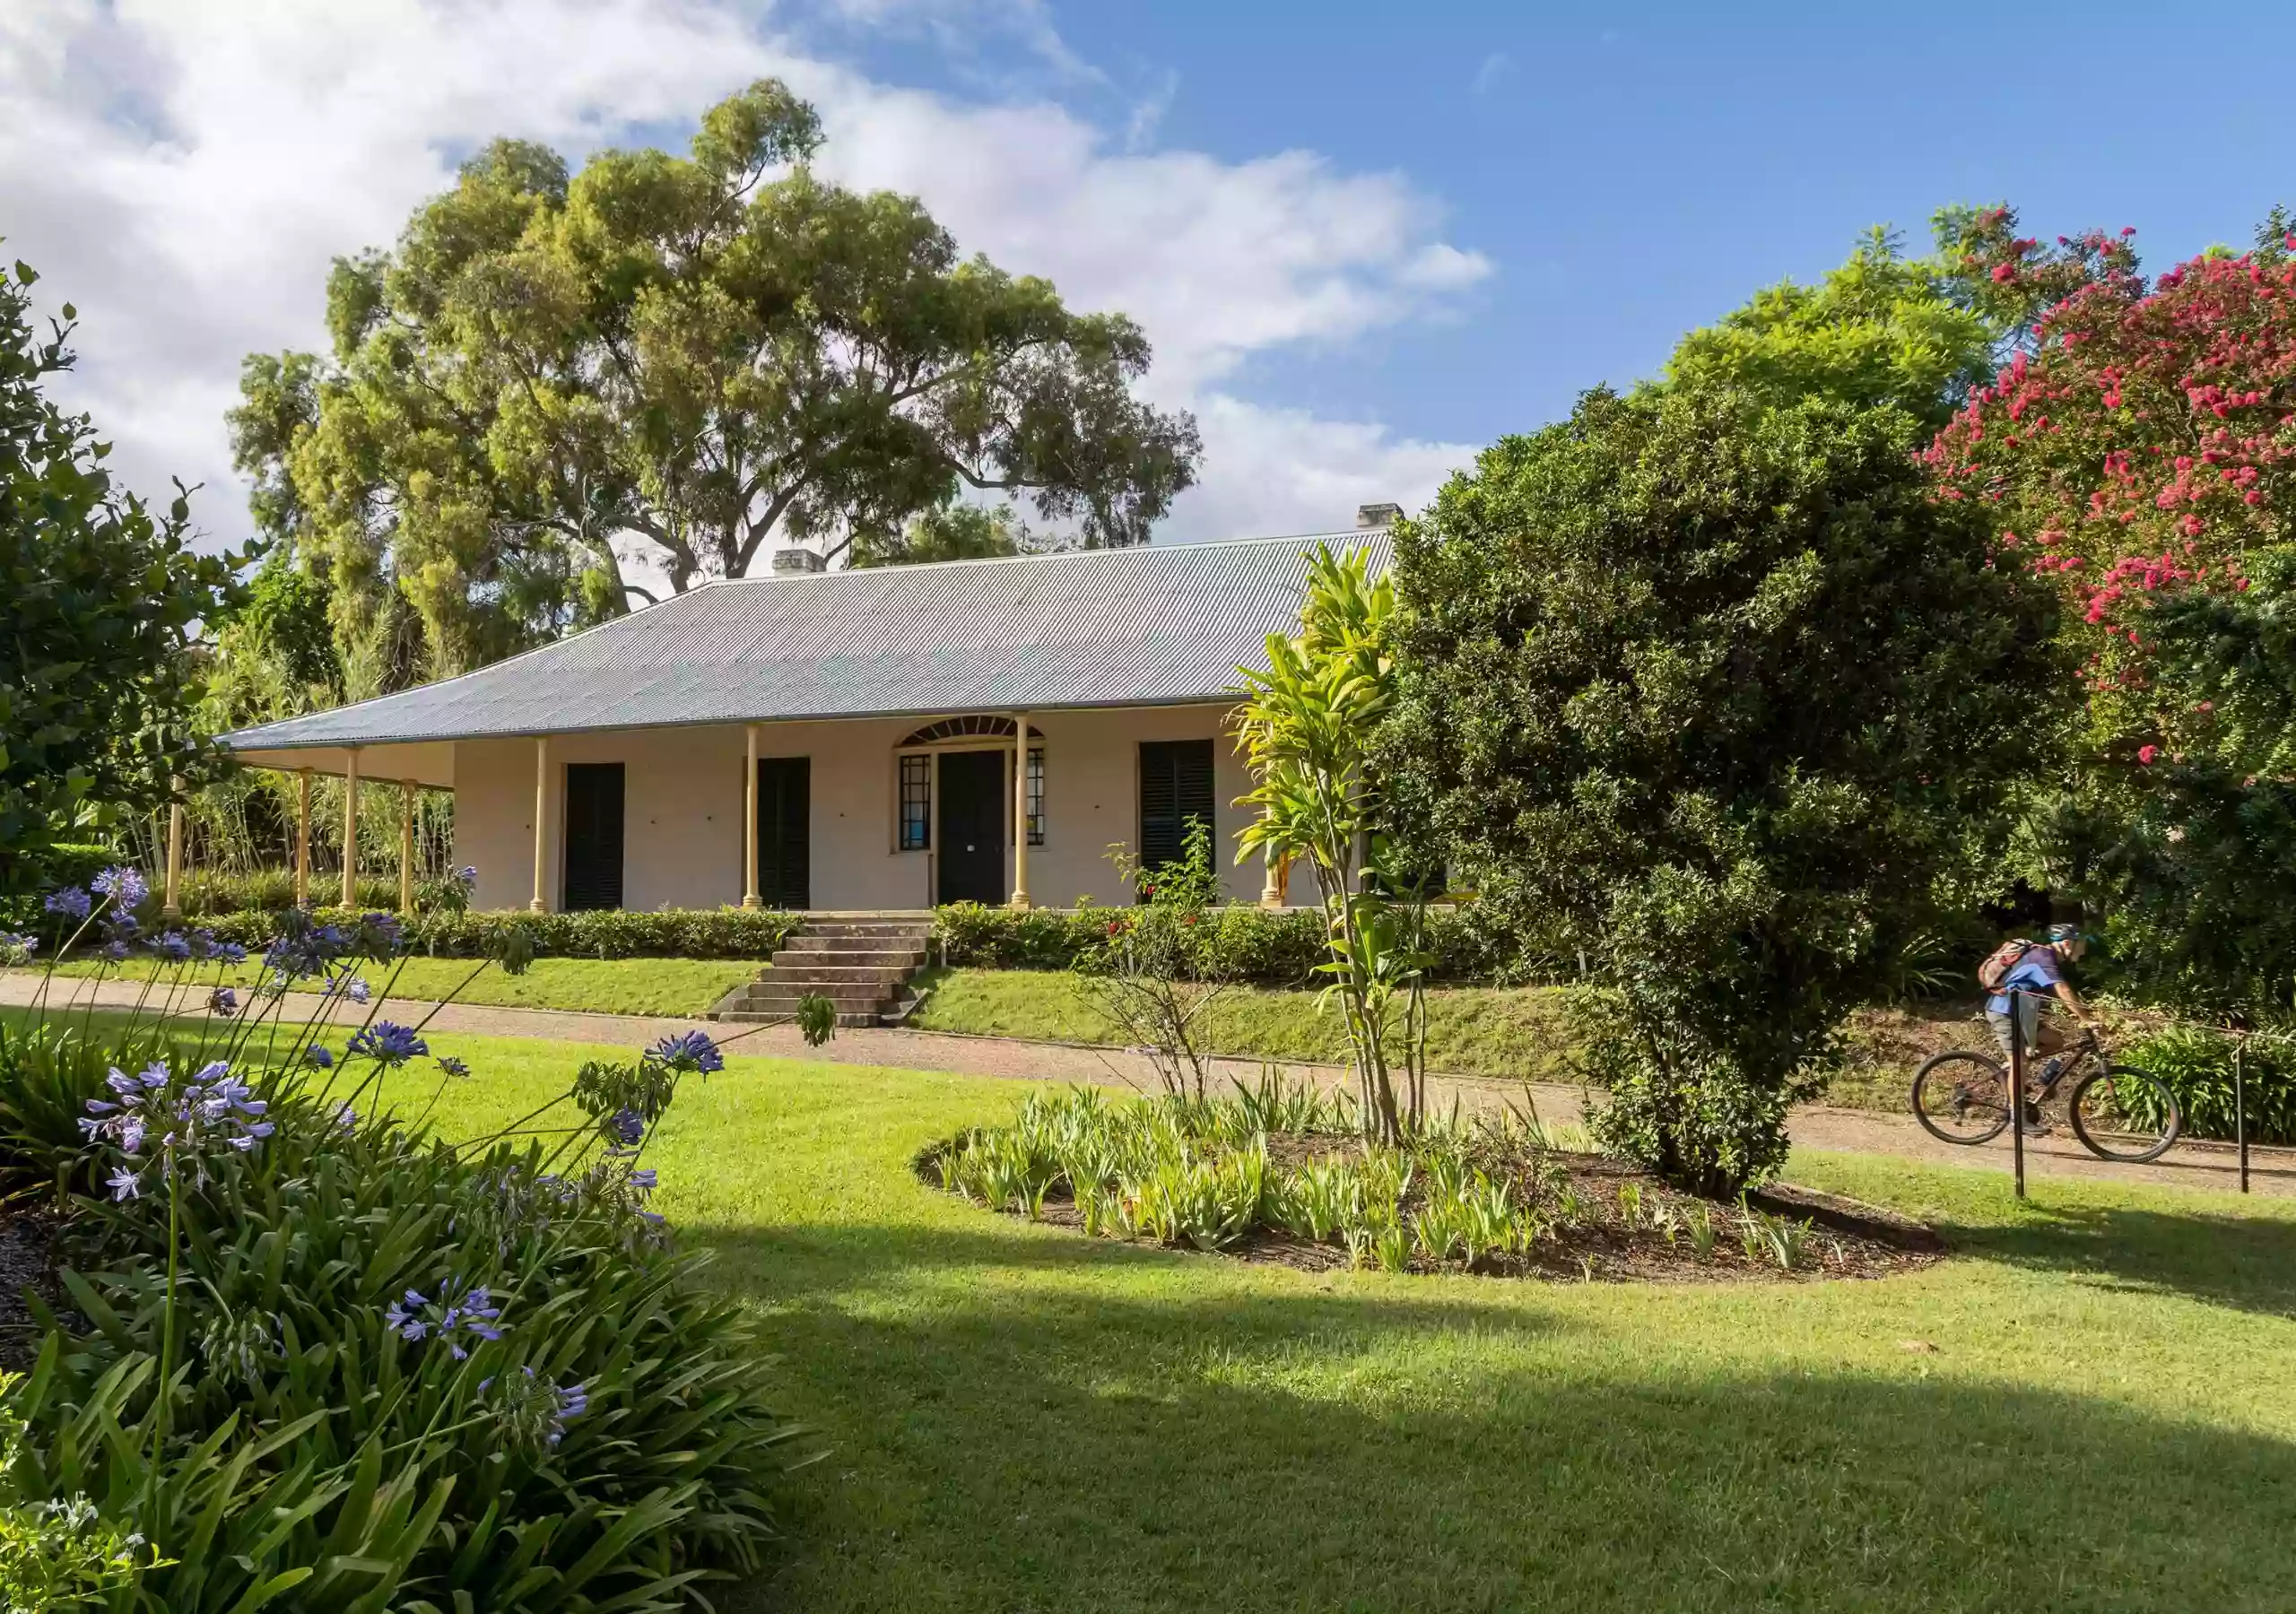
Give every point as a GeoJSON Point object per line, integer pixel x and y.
{"type": "Point", "coordinates": [1494, 1198]}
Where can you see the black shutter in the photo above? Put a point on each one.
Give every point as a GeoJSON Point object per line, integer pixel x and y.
{"type": "Point", "coordinates": [1175, 787]}
{"type": "Point", "coordinates": [784, 829]}
{"type": "Point", "coordinates": [592, 834]}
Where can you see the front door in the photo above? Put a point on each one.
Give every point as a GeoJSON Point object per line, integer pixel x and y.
{"type": "Point", "coordinates": [592, 834]}
{"type": "Point", "coordinates": [785, 808]}
{"type": "Point", "coordinates": [973, 792]}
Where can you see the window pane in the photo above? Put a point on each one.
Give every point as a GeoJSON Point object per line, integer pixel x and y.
{"type": "Point", "coordinates": [916, 803]}
{"type": "Point", "coordinates": [1036, 797]}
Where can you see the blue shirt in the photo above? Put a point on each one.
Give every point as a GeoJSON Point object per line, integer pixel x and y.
{"type": "Point", "coordinates": [2038, 971]}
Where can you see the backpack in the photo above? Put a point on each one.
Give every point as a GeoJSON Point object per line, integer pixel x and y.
{"type": "Point", "coordinates": [2000, 961]}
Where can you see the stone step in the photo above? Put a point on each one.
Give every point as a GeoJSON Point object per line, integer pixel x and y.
{"type": "Point", "coordinates": [859, 929]}
{"type": "Point", "coordinates": [853, 957]}
{"type": "Point", "coordinates": [844, 994]}
{"type": "Point", "coordinates": [848, 1019]}
{"type": "Point", "coordinates": [818, 975]}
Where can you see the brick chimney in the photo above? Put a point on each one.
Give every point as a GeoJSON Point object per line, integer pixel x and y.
{"type": "Point", "coordinates": [1371, 515]}
{"type": "Point", "coordinates": [795, 559]}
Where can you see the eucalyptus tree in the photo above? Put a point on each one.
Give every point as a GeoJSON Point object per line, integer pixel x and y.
{"type": "Point", "coordinates": [687, 358]}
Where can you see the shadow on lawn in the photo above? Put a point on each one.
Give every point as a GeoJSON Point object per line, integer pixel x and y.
{"type": "Point", "coordinates": [2247, 1264]}
{"type": "Point", "coordinates": [1006, 1447]}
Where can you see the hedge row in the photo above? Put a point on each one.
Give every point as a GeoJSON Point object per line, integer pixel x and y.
{"type": "Point", "coordinates": [606, 933]}
{"type": "Point", "coordinates": [2197, 1066]}
{"type": "Point", "coordinates": [1267, 947]}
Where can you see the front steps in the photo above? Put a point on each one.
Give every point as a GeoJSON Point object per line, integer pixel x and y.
{"type": "Point", "coordinates": [862, 963]}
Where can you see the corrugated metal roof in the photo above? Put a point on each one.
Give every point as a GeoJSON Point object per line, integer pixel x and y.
{"type": "Point", "coordinates": [1156, 624]}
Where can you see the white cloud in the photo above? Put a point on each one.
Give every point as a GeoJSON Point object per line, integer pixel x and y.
{"type": "Point", "coordinates": [185, 173]}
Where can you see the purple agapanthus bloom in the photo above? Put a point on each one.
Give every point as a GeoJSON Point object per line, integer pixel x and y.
{"type": "Point", "coordinates": [224, 1001]}
{"type": "Point", "coordinates": [688, 1051]}
{"type": "Point", "coordinates": [229, 952]}
{"type": "Point", "coordinates": [173, 946]}
{"type": "Point", "coordinates": [573, 1400]}
{"type": "Point", "coordinates": [643, 1181]}
{"type": "Point", "coordinates": [209, 1107]}
{"type": "Point", "coordinates": [126, 1184]}
{"type": "Point", "coordinates": [456, 1312]}
{"type": "Point", "coordinates": [116, 951]}
{"type": "Point", "coordinates": [381, 932]}
{"type": "Point", "coordinates": [318, 1058]}
{"type": "Point", "coordinates": [467, 875]}
{"type": "Point", "coordinates": [72, 902]}
{"type": "Point", "coordinates": [126, 887]}
{"type": "Point", "coordinates": [16, 946]}
{"type": "Point", "coordinates": [389, 1042]}
{"type": "Point", "coordinates": [626, 1129]}
{"type": "Point", "coordinates": [453, 1066]}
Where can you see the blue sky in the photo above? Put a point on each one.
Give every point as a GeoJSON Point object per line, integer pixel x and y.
{"type": "Point", "coordinates": [1633, 170]}
{"type": "Point", "coordinates": [1365, 239]}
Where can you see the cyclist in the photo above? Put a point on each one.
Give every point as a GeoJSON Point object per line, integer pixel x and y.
{"type": "Point", "coordinates": [2038, 973]}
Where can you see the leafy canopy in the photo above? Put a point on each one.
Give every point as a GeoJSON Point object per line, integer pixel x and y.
{"type": "Point", "coordinates": [1881, 330]}
{"type": "Point", "coordinates": [1703, 692]}
{"type": "Point", "coordinates": [695, 356]}
{"type": "Point", "coordinates": [103, 601]}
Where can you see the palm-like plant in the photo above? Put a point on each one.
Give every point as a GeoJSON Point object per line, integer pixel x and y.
{"type": "Point", "coordinates": [1306, 731]}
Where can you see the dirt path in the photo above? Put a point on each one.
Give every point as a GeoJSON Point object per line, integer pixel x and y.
{"type": "Point", "coordinates": [1854, 1131]}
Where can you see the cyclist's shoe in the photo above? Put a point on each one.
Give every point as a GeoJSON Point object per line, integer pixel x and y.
{"type": "Point", "coordinates": [2036, 1129]}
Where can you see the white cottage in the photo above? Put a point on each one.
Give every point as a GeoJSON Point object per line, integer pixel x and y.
{"type": "Point", "coordinates": [847, 740]}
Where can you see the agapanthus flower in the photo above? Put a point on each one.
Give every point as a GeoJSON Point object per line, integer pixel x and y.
{"type": "Point", "coordinates": [173, 946]}
{"type": "Point", "coordinates": [348, 986]}
{"type": "Point", "coordinates": [15, 947]}
{"type": "Point", "coordinates": [115, 950]}
{"type": "Point", "coordinates": [379, 933]}
{"type": "Point", "coordinates": [224, 1001]}
{"type": "Point", "coordinates": [126, 887]}
{"type": "Point", "coordinates": [573, 1400]}
{"type": "Point", "coordinates": [467, 875]}
{"type": "Point", "coordinates": [389, 1042]}
{"type": "Point", "coordinates": [126, 1184]}
{"type": "Point", "coordinates": [644, 1181]}
{"type": "Point", "coordinates": [318, 1058]}
{"type": "Point", "coordinates": [625, 1129]}
{"type": "Point", "coordinates": [688, 1051]}
{"type": "Point", "coordinates": [228, 952]}
{"type": "Point", "coordinates": [208, 1108]}
{"type": "Point", "coordinates": [72, 902]}
{"type": "Point", "coordinates": [456, 1312]}
{"type": "Point", "coordinates": [452, 1066]}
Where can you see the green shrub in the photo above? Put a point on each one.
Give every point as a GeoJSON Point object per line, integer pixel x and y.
{"type": "Point", "coordinates": [1260, 947]}
{"type": "Point", "coordinates": [2197, 1066]}
{"type": "Point", "coordinates": [606, 933]}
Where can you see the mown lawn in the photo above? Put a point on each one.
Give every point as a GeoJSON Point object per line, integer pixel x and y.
{"type": "Point", "coordinates": [1011, 1418]}
{"type": "Point", "coordinates": [670, 986]}
{"type": "Point", "coordinates": [1478, 1030]}
{"type": "Point", "coordinates": [2102, 1413]}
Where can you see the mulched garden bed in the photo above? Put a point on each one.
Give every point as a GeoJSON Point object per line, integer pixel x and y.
{"type": "Point", "coordinates": [1602, 1242]}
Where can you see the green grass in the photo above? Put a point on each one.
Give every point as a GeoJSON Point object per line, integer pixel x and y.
{"type": "Point", "coordinates": [1472, 1030]}
{"type": "Point", "coordinates": [1011, 1418]}
{"type": "Point", "coordinates": [668, 986]}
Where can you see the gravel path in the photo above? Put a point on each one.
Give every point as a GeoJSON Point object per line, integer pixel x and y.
{"type": "Point", "coordinates": [1855, 1131]}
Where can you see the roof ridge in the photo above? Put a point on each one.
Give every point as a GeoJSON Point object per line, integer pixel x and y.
{"type": "Point", "coordinates": [1061, 554]}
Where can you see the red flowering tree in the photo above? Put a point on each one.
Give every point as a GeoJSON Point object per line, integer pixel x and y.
{"type": "Point", "coordinates": [2138, 448]}
{"type": "Point", "coordinates": [2140, 441]}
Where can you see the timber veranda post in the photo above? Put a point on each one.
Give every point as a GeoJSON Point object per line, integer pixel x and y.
{"type": "Point", "coordinates": [302, 837]}
{"type": "Point", "coordinates": [406, 847]}
{"type": "Point", "coordinates": [351, 828]}
{"type": "Point", "coordinates": [1020, 810]}
{"type": "Point", "coordinates": [171, 896]}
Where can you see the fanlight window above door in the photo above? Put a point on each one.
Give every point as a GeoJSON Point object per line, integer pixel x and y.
{"type": "Point", "coordinates": [979, 725]}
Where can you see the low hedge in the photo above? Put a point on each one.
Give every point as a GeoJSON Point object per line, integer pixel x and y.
{"type": "Point", "coordinates": [2197, 1066]}
{"type": "Point", "coordinates": [605, 933]}
{"type": "Point", "coordinates": [1264, 947]}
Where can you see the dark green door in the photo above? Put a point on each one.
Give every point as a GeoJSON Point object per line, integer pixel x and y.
{"type": "Point", "coordinates": [783, 831]}
{"type": "Point", "coordinates": [973, 793]}
{"type": "Point", "coordinates": [593, 874]}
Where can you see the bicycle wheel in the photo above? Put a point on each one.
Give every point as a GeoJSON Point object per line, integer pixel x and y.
{"type": "Point", "coordinates": [2124, 1115]}
{"type": "Point", "coordinates": [1961, 1097]}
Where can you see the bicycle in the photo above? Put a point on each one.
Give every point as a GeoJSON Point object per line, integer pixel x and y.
{"type": "Point", "coordinates": [2118, 1112]}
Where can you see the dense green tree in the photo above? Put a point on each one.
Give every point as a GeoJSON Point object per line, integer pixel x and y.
{"type": "Point", "coordinates": [1883, 329]}
{"type": "Point", "coordinates": [953, 531]}
{"type": "Point", "coordinates": [694, 356]}
{"type": "Point", "coordinates": [99, 602]}
{"type": "Point", "coordinates": [1704, 692]}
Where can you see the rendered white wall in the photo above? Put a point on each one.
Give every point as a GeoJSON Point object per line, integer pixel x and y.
{"type": "Point", "coordinates": [683, 804]}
